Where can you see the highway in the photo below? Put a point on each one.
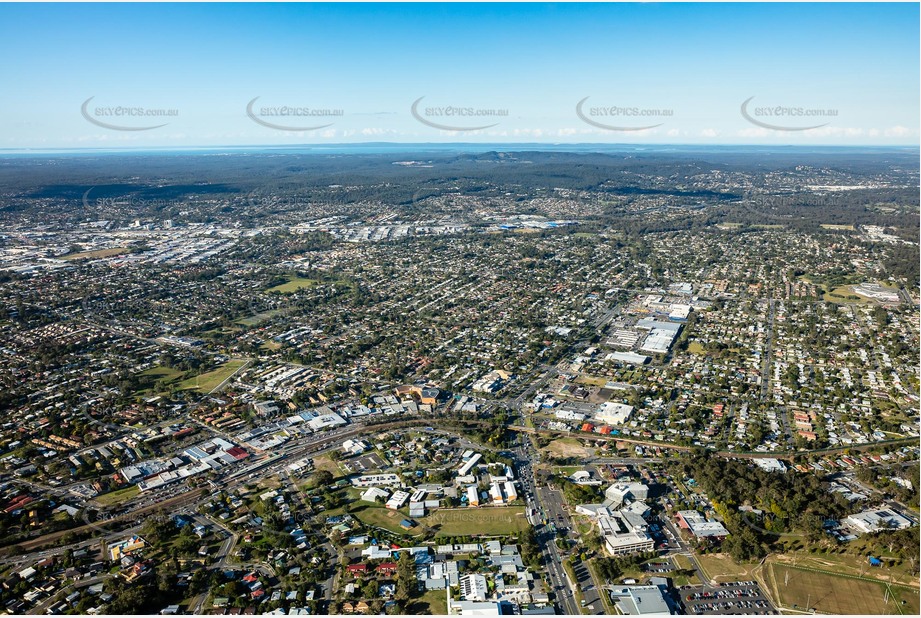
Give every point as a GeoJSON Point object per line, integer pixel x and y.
{"type": "Point", "coordinates": [557, 577]}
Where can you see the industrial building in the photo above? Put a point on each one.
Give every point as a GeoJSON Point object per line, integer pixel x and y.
{"type": "Point", "coordinates": [614, 413]}
{"type": "Point", "coordinates": [661, 335]}
{"type": "Point", "coordinates": [628, 357]}
{"type": "Point", "coordinates": [875, 520]}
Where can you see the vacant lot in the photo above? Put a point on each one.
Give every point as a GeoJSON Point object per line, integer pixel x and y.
{"type": "Point", "coordinates": [325, 462]}
{"type": "Point", "coordinates": [830, 593]}
{"type": "Point", "coordinates": [591, 380]}
{"type": "Point", "coordinates": [117, 497]}
{"type": "Point", "coordinates": [569, 447]}
{"type": "Point", "coordinates": [488, 521]}
{"type": "Point", "coordinates": [209, 381]}
{"type": "Point", "coordinates": [293, 285]}
{"type": "Point", "coordinates": [722, 568]}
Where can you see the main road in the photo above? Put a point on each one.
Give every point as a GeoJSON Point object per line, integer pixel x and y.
{"type": "Point", "coordinates": [558, 578]}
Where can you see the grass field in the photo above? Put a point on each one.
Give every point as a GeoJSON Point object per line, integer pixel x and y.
{"type": "Point", "coordinates": [695, 347]}
{"type": "Point", "coordinates": [848, 564]}
{"type": "Point", "coordinates": [117, 497]}
{"type": "Point", "coordinates": [433, 602]}
{"type": "Point", "coordinates": [161, 372]}
{"type": "Point", "coordinates": [683, 563]}
{"type": "Point", "coordinates": [293, 285]}
{"type": "Point", "coordinates": [795, 587]}
{"type": "Point", "coordinates": [99, 253]}
{"type": "Point", "coordinates": [383, 518]}
{"type": "Point", "coordinates": [832, 226]}
{"type": "Point", "coordinates": [567, 470]}
{"type": "Point", "coordinates": [207, 382]}
{"type": "Point", "coordinates": [472, 521]}
{"type": "Point", "coordinates": [157, 374]}
{"type": "Point", "coordinates": [844, 295]}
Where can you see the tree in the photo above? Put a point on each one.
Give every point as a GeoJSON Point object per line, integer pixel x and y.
{"type": "Point", "coordinates": [232, 589]}
{"type": "Point", "coordinates": [369, 590]}
{"type": "Point", "coordinates": [323, 478]}
{"type": "Point", "coordinates": [406, 577]}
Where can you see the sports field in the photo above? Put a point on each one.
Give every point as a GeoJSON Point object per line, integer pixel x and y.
{"type": "Point", "coordinates": [293, 285]}
{"type": "Point", "coordinates": [383, 518]}
{"type": "Point", "coordinates": [798, 588]}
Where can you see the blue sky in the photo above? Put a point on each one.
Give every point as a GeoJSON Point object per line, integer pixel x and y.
{"type": "Point", "coordinates": [688, 68]}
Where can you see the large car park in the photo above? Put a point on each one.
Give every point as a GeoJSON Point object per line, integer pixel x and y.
{"type": "Point", "coordinates": [727, 598]}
